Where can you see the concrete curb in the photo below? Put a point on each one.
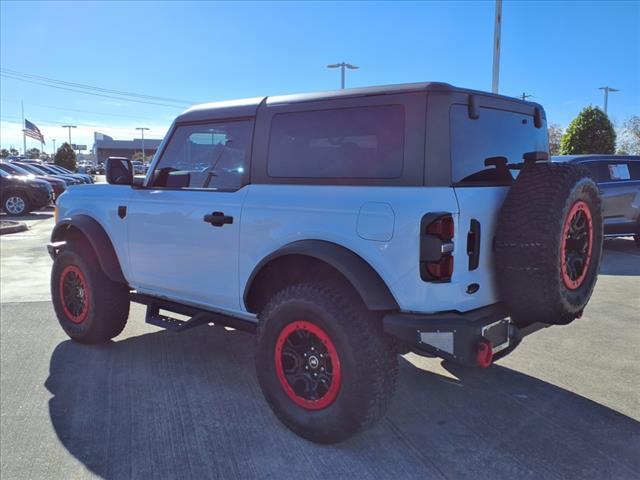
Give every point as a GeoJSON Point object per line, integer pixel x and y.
{"type": "Point", "coordinates": [9, 226]}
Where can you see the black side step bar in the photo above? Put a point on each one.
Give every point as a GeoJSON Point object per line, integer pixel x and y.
{"type": "Point", "coordinates": [198, 316]}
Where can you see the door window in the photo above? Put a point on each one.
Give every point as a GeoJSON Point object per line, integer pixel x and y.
{"type": "Point", "coordinates": [205, 156]}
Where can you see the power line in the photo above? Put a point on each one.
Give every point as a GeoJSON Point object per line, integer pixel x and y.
{"type": "Point", "coordinates": [94, 88]}
{"type": "Point", "coordinates": [81, 111]}
{"type": "Point", "coordinates": [89, 93]}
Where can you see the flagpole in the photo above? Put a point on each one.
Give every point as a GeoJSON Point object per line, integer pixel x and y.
{"type": "Point", "coordinates": [24, 135]}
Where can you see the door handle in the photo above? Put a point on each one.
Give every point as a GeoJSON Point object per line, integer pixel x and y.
{"type": "Point", "coordinates": [218, 219]}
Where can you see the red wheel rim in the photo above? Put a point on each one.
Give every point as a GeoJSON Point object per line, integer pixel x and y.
{"type": "Point", "coordinates": [307, 365]}
{"type": "Point", "coordinates": [577, 245]}
{"type": "Point", "coordinates": [74, 294]}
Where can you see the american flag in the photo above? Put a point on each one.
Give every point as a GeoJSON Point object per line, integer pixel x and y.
{"type": "Point", "coordinates": [30, 130]}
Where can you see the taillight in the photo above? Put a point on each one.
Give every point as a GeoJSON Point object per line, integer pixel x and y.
{"type": "Point", "coordinates": [442, 227]}
{"type": "Point", "coordinates": [436, 247]}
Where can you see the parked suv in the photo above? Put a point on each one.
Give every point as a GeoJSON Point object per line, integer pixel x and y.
{"type": "Point", "coordinates": [21, 195]}
{"type": "Point", "coordinates": [343, 228]}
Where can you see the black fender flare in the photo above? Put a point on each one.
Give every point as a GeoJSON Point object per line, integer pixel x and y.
{"type": "Point", "coordinates": [367, 282]}
{"type": "Point", "coordinates": [99, 240]}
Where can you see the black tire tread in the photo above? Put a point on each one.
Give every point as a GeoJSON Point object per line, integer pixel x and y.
{"type": "Point", "coordinates": [528, 239]}
{"type": "Point", "coordinates": [375, 354]}
{"type": "Point", "coordinates": [110, 299]}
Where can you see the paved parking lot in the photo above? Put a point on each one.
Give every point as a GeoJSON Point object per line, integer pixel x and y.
{"type": "Point", "coordinates": [154, 404]}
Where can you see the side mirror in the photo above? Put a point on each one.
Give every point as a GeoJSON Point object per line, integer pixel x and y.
{"type": "Point", "coordinates": [119, 171]}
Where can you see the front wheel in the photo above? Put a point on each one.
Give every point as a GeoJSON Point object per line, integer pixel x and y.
{"type": "Point", "coordinates": [324, 364]}
{"type": "Point", "coordinates": [90, 307]}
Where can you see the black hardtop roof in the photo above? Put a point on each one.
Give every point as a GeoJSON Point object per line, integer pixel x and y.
{"type": "Point", "coordinates": [249, 106]}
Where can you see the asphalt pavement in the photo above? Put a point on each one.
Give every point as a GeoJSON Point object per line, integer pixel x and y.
{"type": "Point", "coordinates": [155, 404]}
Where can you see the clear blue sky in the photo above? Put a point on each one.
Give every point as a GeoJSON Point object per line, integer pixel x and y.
{"type": "Point", "coordinates": [560, 52]}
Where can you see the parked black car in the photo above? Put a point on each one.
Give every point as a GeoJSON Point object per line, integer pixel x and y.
{"type": "Point", "coordinates": [618, 177]}
{"type": "Point", "coordinates": [58, 185]}
{"type": "Point", "coordinates": [21, 195]}
{"type": "Point", "coordinates": [36, 170]}
{"type": "Point", "coordinates": [57, 168]}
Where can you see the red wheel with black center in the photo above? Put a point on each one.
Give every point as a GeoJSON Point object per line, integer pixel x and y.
{"type": "Point", "coordinates": [74, 294]}
{"type": "Point", "coordinates": [324, 364]}
{"type": "Point", "coordinates": [577, 245]}
{"type": "Point", "coordinates": [308, 365]}
{"type": "Point", "coordinates": [90, 307]}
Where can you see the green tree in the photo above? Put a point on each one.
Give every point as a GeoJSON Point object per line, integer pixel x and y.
{"type": "Point", "coordinates": [590, 132]}
{"type": "Point", "coordinates": [4, 153]}
{"type": "Point", "coordinates": [66, 157]}
{"type": "Point", "coordinates": [630, 136]}
{"type": "Point", "coordinates": [13, 151]}
{"type": "Point", "coordinates": [555, 137]}
{"type": "Point", "coordinates": [33, 153]}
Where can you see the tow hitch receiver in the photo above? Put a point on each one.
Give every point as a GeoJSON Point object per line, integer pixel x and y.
{"type": "Point", "coordinates": [471, 338]}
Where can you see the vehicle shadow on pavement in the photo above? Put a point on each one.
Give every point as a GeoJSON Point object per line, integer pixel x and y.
{"type": "Point", "coordinates": [164, 405]}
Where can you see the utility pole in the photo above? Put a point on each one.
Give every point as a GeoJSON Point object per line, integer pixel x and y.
{"type": "Point", "coordinates": [142, 129]}
{"type": "Point", "coordinates": [496, 47]}
{"type": "Point", "coordinates": [24, 135]}
{"type": "Point", "coordinates": [524, 96]}
{"type": "Point", "coordinates": [69, 127]}
{"type": "Point", "coordinates": [342, 66]}
{"type": "Point", "coordinates": [606, 96]}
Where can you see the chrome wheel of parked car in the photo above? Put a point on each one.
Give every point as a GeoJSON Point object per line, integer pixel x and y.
{"type": "Point", "coordinates": [15, 205]}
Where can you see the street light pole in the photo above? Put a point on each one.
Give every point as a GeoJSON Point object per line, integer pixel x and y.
{"type": "Point", "coordinates": [606, 96]}
{"type": "Point", "coordinates": [69, 127]}
{"type": "Point", "coordinates": [54, 145]}
{"type": "Point", "coordinates": [142, 129]}
{"type": "Point", "coordinates": [342, 66]}
{"type": "Point", "coordinates": [496, 47]}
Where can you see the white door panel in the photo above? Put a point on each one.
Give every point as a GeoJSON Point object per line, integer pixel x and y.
{"type": "Point", "coordinates": [175, 253]}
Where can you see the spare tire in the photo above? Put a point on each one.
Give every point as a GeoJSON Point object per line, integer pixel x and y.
{"type": "Point", "coordinates": [548, 243]}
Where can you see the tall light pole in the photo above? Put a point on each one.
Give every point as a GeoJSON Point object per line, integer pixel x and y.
{"type": "Point", "coordinates": [54, 145]}
{"type": "Point", "coordinates": [69, 127]}
{"type": "Point", "coordinates": [342, 66]}
{"type": "Point", "coordinates": [142, 129]}
{"type": "Point", "coordinates": [496, 47]}
{"type": "Point", "coordinates": [606, 96]}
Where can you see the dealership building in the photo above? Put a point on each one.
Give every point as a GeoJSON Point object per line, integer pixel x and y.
{"type": "Point", "coordinates": [105, 146]}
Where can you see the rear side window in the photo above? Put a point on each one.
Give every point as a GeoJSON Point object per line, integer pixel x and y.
{"type": "Point", "coordinates": [363, 142]}
{"type": "Point", "coordinates": [634, 170]}
{"type": "Point", "coordinates": [600, 171]}
{"type": "Point", "coordinates": [496, 133]}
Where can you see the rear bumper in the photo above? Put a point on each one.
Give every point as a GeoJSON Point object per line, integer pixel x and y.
{"type": "Point", "coordinates": [457, 336]}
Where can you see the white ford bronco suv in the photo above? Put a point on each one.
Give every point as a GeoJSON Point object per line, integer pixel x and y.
{"type": "Point", "coordinates": [343, 228]}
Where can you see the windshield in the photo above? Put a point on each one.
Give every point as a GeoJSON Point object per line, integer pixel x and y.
{"type": "Point", "coordinates": [33, 169]}
{"type": "Point", "coordinates": [14, 169]}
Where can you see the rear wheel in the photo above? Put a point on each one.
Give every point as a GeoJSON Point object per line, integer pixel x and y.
{"type": "Point", "coordinates": [324, 365]}
{"type": "Point", "coordinates": [90, 307]}
{"type": "Point", "coordinates": [16, 203]}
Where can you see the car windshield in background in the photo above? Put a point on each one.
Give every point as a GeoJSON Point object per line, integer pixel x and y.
{"type": "Point", "coordinates": [496, 133]}
{"type": "Point", "coordinates": [14, 169]}
{"type": "Point", "coordinates": [33, 169]}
